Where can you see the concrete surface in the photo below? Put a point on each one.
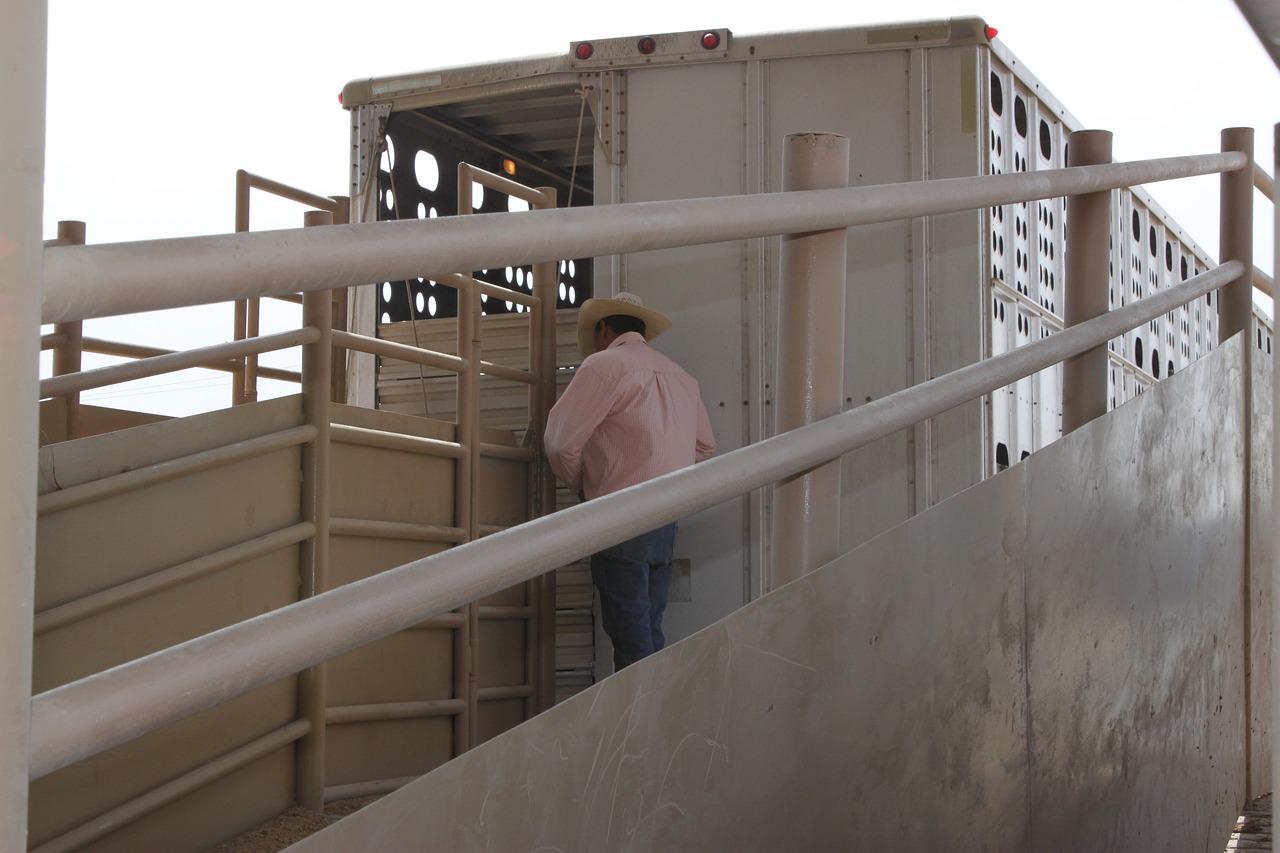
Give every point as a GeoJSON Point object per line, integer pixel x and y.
{"type": "Point", "coordinates": [1050, 660]}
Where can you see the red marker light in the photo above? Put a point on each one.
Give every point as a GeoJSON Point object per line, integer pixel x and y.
{"type": "Point", "coordinates": [584, 50]}
{"type": "Point", "coordinates": [339, 99]}
{"type": "Point", "coordinates": [710, 41]}
{"type": "Point", "coordinates": [991, 32]}
{"type": "Point", "coordinates": [646, 45]}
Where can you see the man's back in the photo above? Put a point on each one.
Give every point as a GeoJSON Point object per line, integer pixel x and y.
{"type": "Point", "coordinates": [630, 414]}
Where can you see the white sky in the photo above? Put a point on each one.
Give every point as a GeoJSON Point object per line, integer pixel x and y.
{"type": "Point", "coordinates": [152, 106]}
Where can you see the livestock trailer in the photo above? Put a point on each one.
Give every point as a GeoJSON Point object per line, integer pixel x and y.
{"type": "Point", "coordinates": [704, 113]}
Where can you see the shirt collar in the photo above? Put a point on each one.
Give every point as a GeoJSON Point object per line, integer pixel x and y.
{"type": "Point", "coordinates": [626, 338]}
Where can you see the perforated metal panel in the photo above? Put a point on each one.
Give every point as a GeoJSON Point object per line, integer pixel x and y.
{"type": "Point", "coordinates": [1148, 252]}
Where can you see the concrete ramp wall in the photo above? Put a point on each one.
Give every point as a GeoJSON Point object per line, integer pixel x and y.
{"type": "Point", "coordinates": [1052, 660]}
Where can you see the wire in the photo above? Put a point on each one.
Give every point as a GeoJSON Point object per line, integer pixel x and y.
{"type": "Point", "coordinates": [577, 145]}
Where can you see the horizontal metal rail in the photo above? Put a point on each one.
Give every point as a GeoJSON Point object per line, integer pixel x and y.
{"type": "Point", "coordinates": [403, 352]}
{"type": "Point", "coordinates": [70, 383]}
{"type": "Point", "coordinates": [515, 374]}
{"type": "Point", "coordinates": [1263, 282]}
{"type": "Point", "coordinates": [396, 530]}
{"type": "Point", "coordinates": [495, 694]}
{"type": "Point", "coordinates": [108, 279]}
{"type": "Point", "coordinates": [497, 291]}
{"type": "Point", "coordinates": [116, 484]}
{"type": "Point", "coordinates": [505, 451]}
{"type": "Point", "coordinates": [90, 605]}
{"type": "Point", "coordinates": [346, 434]}
{"type": "Point", "coordinates": [103, 347]}
{"type": "Point", "coordinates": [1264, 182]}
{"type": "Point", "coordinates": [376, 787]}
{"type": "Point", "coordinates": [175, 789]}
{"type": "Point", "coordinates": [497, 182]}
{"type": "Point", "coordinates": [276, 188]}
{"type": "Point", "coordinates": [85, 717]}
{"type": "Point", "coordinates": [52, 341]}
{"type": "Point", "coordinates": [378, 712]}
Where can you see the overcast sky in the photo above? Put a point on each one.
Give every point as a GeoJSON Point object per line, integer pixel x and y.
{"type": "Point", "coordinates": [152, 107]}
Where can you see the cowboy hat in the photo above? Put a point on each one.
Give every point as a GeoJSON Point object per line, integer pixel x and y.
{"type": "Point", "coordinates": [595, 310]}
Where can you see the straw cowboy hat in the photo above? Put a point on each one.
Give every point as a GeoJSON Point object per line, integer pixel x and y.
{"type": "Point", "coordinates": [595, 310]}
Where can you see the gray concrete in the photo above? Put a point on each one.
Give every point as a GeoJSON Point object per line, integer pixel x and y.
{"type": "Point", "coordinates": [1050, 660]}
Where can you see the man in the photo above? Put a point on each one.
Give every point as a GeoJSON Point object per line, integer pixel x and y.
{"type": "Point", "coordinates": [630, 414]}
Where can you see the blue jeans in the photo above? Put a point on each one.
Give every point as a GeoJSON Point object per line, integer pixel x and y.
{"type": "Point", "coordinates": [632, 578]}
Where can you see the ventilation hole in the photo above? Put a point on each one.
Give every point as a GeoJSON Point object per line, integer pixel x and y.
{"type": "Point", "coordinates": [477, 196]}
{"type": "Point", "coordinates": [1137, 226]}
{"type": "Point", "coordinates": [997, 95]}
{"type": "Point", "coordinates": [1151, 239]}
{"type": "Point", "coordinates": [391, 200]}
{"type": "Point", "coordinates": [386, 291]}
{"type": "Point", "coordinates": [389, 155]}
{"type": "Point", "coordinates": [1184, 269]}
{"type": "Point", "coordinates": [564, 292]}
{"type": "Point", "coordinates": [431, 306]}
{"type": "Point", "coordinates": [1046, 140]}
{"type": "Point", "coordinates": [1024, 455]}
{"type": "Point", "coordinates": [431, 214]}
{"type": "Point", "coordinates": [1259, 339]}
{"type": "Point", "coordinates": [572, 273]}
{"type": "Point", "coordinates": [1020, 116]}
{"type": "Point", "coordinates": [386, 318]}
{"type": "Point", "coordinates": [573, 295]}
{"type": "Point", "coordinates": [510, 275]}
{"type": "Point", "coordinates": [1168, 256]}
{"type": "Point", "coordinates": [1137, 352]}
{"type": "Point", "coordinates": [426, 170]}
{"type": "Point", "coordinates": [1170, 372]}
{"type": "Point", "coordinates": [1155, 363]}
{"type": "Point", "coordinates": [1002, 457]}
{"type": "Point", "coordinates": [422, 210]}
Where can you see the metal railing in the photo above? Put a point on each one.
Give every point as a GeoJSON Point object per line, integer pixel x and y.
{"type": "Point", "coordinates": [320, 342]}
{"type": "Point", "coordinates": [85, 717]}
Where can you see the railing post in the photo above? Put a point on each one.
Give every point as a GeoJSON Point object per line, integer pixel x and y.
{"type": "Point", "coordinates": [341, 216]}
{"type": "Point", "coordinates": [1235, 314]}
{"type": "Point", "coordinates": [1235, 235]}
{"type": "Point", "coordinates": [67, 356]}
{"type": "Point", "coordinates": [317, 372]}
{"type": "Point", "coordinates": [241, 310]}
{"type": "Point", "coordinates": [1274, 521]}
{"type": "Point", "coordinates": [545, 286]}
{"type": "Point", "coordinates": [1084, 378]}
{"type": "Point", "coordinates": [23, 45]}
{"type": "Point", "coordinates": [466, 677]}
{"type": "Point", "coordinates": [810, 379]}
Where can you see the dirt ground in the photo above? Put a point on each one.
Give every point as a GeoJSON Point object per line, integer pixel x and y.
{"type": "Point", "coordinates": [292, 826]}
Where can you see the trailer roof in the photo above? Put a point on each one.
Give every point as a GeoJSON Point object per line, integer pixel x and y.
{"type": "Point", "coordinates": [519, 76]}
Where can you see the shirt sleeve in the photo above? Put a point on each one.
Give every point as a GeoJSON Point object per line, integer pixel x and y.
{"type": "Point", "coordinates": [706, 440]}
{"type": "Point", "coordinates": [575, 416]}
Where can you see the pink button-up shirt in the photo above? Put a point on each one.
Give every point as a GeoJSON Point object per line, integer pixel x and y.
{"type": "Point", "coordinates": [630, 414]}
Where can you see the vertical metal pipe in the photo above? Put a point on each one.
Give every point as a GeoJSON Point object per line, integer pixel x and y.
{"type": "Point", "coordinates": [1235, 235]}
{"type": "Point", "coordinates": [67, 357]}
{"type": "Point", "coordinates": [341, 216]}
{"type": "Point", "coordinates": [252, 328]}
{"type": "Point", "coordinates": [1275, 506]}
{"type": "Point", "coordinates": [241, 306]}
{"type": "Point", "coordinates": [1235, 314]}
{"type": "Point", "coordinates": [545, 287]}
{"type": "Point", "coordinates": [468, 414]}
{"type": "Point", "coordinates": [810, 383]}
{"type": "Point", "coordinates": [22, 75]}
{"type": "Point", "coordinates": [317, 373]}
{"type": "Point", "coordinates": [1084, 378]}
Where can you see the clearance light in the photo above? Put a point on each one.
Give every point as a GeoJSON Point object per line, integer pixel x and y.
{"type": "Point", "coordinates": [647, 45]}
{"type": "Point", "coordinates": [509, 166]}
{"type": "Point", "coordinates": [991, 32]}
{"type": "Point", "coordinates": [339, 99]}
{"type": "Point", "coordinates": [584, 50]}
{"type": "Point", "coordinates": [710, 41]}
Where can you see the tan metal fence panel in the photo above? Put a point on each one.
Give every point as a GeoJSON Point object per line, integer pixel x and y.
{"type": "Point", "coordinates": [392, 499]}
{"type": "Point", "coordinates": [98, 545]}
